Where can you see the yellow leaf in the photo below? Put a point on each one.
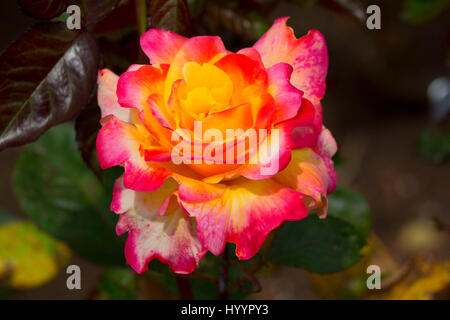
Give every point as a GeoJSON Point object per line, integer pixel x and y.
{"type": "Point", "coordinates": [431, 280]}
{"type": "Point", "coordinates": [29, 257]}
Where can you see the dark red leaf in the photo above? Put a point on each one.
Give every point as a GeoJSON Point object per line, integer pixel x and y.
{"type": "Point", "coordinates": [122, 17]}
{"type": "Point", "coordinates": [169, 15]}
{"type": "Point", "coordinates": [46, 77]}
{"type": "Point", "coordinates": [43, 9]}
{"type": "Point", "coordinates": [93, 11]}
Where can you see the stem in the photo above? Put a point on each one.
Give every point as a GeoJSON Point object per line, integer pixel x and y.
{"type": "Point", "coordinates": [141, 15]}
{"type": "Point", "coordinates": [248, 275]}
{"type": "Point", "coordinates": [141, 18]}
{"type": "Point", "coordinates": [185, 288]}
{"type": "Point", "coordinates": [223, 277]}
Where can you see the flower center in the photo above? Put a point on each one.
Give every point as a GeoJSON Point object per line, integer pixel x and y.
{"type": "Point", "coordinates": [209, 89]}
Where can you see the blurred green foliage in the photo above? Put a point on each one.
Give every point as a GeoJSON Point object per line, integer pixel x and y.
{"type": "Point", "coordinates": [117, 284]}
{"type": "Point", "coordinates": [350, 206]}
{"type": "Point", "coordinates": [325, 245]}
{"type": "Point", "coordinates": [418, 11]}
{"type": "Point", "coordinates": [63, 197]}
{"type": "Point", "coordinates": [434, 144]}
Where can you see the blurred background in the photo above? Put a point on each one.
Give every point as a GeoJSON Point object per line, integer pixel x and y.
{"type": "Point", "coordinates": [387, 104]}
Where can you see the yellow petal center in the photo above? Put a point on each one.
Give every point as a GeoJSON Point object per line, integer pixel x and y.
{"type": "Point", "coordinates": [209, 89]}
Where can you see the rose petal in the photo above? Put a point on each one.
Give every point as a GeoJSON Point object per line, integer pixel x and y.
{"type": "Point", "coordinates": [170, 237]}
{"type": "Point", "coordinates": [135, 87]}
{"type": "Point", "coordinates": [161, 46]}
{"type": "Point", "coordinates": [119, 143]}
{"type": "Point", "coordinates": [245, 214]}
{"type": "Point", "coordinates": [287, 97]}
{"type": "Point", "coordinates": [308, 174]}
{"type": "Point", "coordinates": [243, 72]}
{"type": "Point", "coordinates": [107, 98]}
{"type": "Point", "coordinates": [197, 49]}
{"type": "Point", "coordinates": [269, 159]}
{"type": "Point", "coordinates": [308, 56]}
{"type": "Point", "coordinates": [304, 128]}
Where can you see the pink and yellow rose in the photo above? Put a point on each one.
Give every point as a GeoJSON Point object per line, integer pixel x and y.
{"type": "Point", "coordinates": [177, 212]}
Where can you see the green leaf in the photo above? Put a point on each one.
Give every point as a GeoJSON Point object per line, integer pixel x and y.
{"type": "Point", "coordinates": [210, 265]}
{"type": "Point", "coordinates": [46, 77]}
{"type": "Point", "coordinates": [43, 9]}
{"type": "Point", "coordinates": [65, 199]}
{"type": "Point", "coordinates": [435, 144]}
{"type": "Point", "coordinates": [117, 284]}
{"type": "Point", "coordinates": [328, 245]}
{"type": "Point", "coordinates": [322, 246]}
{"type": "Point", "coordinates": [87, 126]}
{"type": "Point", "coordinates": [350, 206]}
{"type": "Point", "coordinates": [29, 257]}
{"type": "Point", "coordinates": [418, 11]}
{"type": "Point", "coordinates": [170, 15]}
{"type": "Point", "coordinates": [202, 289]}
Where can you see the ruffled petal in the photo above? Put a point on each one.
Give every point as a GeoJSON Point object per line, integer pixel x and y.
{"type": "Point", "coordinates": [273, 155]}
{"type": "Point", "coordinates": [135, 87]}
{"type": "Point", "coordinates": [107, 98]}
{"type": "Point", "coordinates": [243, 72]}
{"type": "Point", "coordinates": [201, 49]}
{"type": "Point", "coordinates": [298, 132]}
{"type": "Point", "coordinates": [287, 97]}
{"type": "Point", "coordinates": [156, 229]}
{"type": "Point", "coordinates": [307, 55]}
{"type": "Point", "coordinates": [161, 46]}
{"type": "Point", "coordinates": [159, 111]}
{"type": "Point", "coordinates": [245, 214]}
{"type": "Point", "coordinates": [241, 115]}
{"type": "Point", "coordinates": [119, 143]}
{"type": "Point", "coordinates": [308, 174]}
{"type": "Point", "coordinates": [305, 127]}
{"type": "Point", "coordinates": [252, 53]}
{"type": "Point", "coordinates": [327, 148]}
{"type": "Point", "coordinates": [326, 144]}
{"type": "Point", "coordinates": [311, 66]}
{"type": "Point", "coordinates": [192, 190]}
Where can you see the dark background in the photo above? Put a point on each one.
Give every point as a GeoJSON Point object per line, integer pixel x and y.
{"type": "Point", "coordinates": [376, 106]}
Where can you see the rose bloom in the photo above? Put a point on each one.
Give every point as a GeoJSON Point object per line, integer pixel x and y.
{"type": "Point", "coordinates": [177, 212]}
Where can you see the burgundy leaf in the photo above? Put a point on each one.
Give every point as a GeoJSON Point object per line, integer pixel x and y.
{"type": "Point", "coordinates": [94, 11]}
{"type": "Point", "coordinates": [169, 15]}
{"type": "Point", "coordinates": [46, 77]}
{"type": "Point", "coordinates": [43, 9]}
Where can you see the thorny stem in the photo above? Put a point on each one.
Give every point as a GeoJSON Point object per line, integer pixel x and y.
{"type": "Point", "coordinates": [184, 287]}
{"type": "Point", "coordinates": [223, 276]}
